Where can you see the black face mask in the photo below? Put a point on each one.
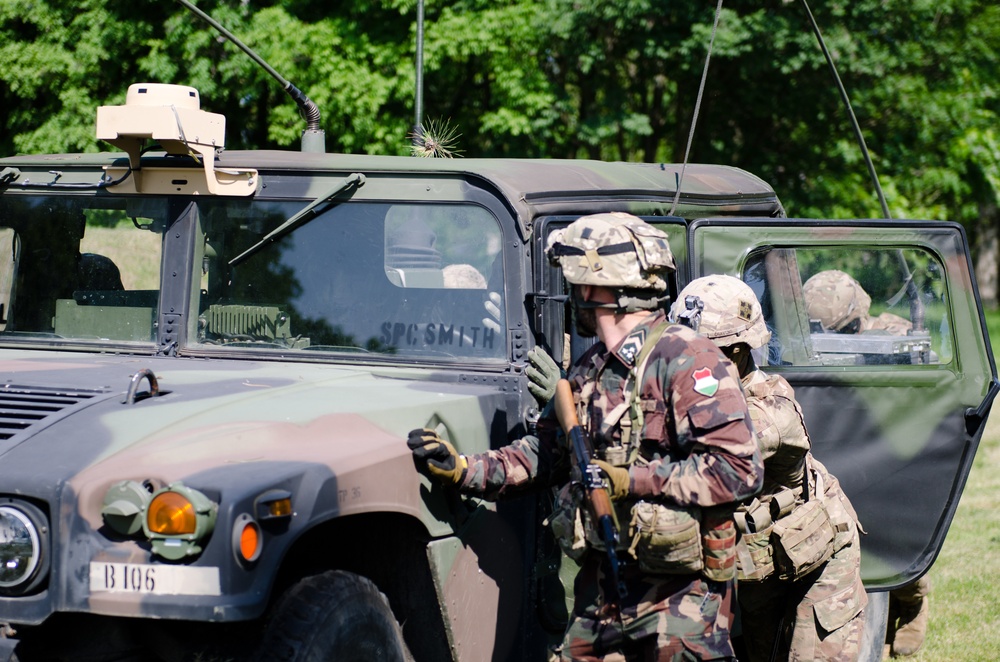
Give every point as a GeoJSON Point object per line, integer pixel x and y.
{"type": "Point", "coordinates": [584, 319]}
{"type": "Point", "coordinates": [740, 355]}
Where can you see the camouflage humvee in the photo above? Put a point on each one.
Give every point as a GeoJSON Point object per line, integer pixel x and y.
{"type": "Point", "coordinates": [209, 366]}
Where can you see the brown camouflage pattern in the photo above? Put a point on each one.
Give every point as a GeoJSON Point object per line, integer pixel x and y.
{"type": "Point", "coordinates": [820, 616]}
{"type": "Point", "coordinates": [638, 268]}
{"type": "Point", "coordinates": [890, 323]}
{"type": "Point", "coordinates": [695, 450]}
{"type": "Point", "coordinates": [781, 433]}
{"type": "Point", "coordinates": [835, 299]}
{"type": "Point", "coordinates": [662, 618]}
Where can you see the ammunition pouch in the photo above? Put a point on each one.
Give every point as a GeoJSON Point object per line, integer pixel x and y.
{"type": "Point", "coordinates": [803, 540]}
{"type": "Point", "coordinates": [778, 534]}
{"type": "Point", "coordinates": [665, 539]}
{"type": "Point", "coordinates": [567, 523]}
{"type": "Point", "coordinates": [719, 546]}
{"type": "Point", "coordinates": [754, 552]}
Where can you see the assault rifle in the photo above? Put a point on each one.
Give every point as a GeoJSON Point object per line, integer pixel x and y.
{"type": "Point", "coordinates": [588, 474]}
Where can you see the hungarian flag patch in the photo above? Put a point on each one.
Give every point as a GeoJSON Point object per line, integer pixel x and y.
{"type": "Point", "coordinates": [704, 382]}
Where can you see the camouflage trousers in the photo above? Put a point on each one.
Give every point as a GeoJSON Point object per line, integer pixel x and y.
{"type": "Point", "coordinates": [819, 617]}
{"type": "Point", "coordinates": [662, 617]}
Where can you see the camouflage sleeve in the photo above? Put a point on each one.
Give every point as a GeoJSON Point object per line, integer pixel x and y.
{"type": "Point", "coordinates": [712, 456]}
{"type": "Point", "coordinates": [527, 461]}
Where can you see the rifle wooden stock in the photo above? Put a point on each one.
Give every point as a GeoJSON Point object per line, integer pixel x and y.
{"type": "Point", "coordinates": [565, 410]}
{"type": "Point", "coordinates": [600, 502]}
{"type": "Point", "coordinates": [598, 499]}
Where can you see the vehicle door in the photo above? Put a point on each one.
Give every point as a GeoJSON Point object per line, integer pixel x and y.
{"type": "Point", "coordinates": [895, 399]}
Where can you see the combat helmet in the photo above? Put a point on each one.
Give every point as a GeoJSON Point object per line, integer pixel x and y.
{"type": "Point", "coordinates": [612, 249]}
{"type": "Point", "coordinates": [731, 313]}
{"type": "Point", "coordinates": [835, 299]}
{"type": "Point", "coordinates": [615, 250]}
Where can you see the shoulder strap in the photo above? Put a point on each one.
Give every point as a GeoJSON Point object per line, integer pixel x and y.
{"type": "Point", "coordinates": [632, 425]}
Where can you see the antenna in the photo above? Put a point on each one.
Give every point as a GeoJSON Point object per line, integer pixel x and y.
{"type": "Point", "coordinates": [418, 103]}
{"type": "Point", "coordinates": [313, 138]}
{"type": "Point", "coordinates": [697, 107]}
{"type": "Point", "coordinates": [917, 313]}
{"type": "Point", "coordinates": [850, 112]}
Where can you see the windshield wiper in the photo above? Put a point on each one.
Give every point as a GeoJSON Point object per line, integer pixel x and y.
{"type": "Point", "coordinates": [307, 213]}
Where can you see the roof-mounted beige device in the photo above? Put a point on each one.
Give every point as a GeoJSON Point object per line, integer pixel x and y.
{"type": "Point", "coordinates": [171, 116]}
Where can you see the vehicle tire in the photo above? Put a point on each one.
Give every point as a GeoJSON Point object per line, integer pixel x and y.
{"type": "Point", "coordinates": [335, 615]}
{"type": "Point", "coordinates": [876, 618]}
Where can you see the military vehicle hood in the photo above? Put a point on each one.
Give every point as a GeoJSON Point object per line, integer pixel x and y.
{"type": "Point", "coordinates": [244, 416]}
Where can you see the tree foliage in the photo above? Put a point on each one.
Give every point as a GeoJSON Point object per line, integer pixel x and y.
{"type": "Point", "coordinates": [558, 78]}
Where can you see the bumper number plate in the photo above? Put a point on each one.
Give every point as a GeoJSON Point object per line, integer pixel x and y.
{"type": "Point", "coordinates": [149, 579]}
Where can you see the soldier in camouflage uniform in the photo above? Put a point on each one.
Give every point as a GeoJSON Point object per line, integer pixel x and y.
{"type": "Point", "coordinates": [685, 451]}
{"type": "Point", "coordinates": [815, 613]}
{"type": "Point", "coordinates": [840, 304]}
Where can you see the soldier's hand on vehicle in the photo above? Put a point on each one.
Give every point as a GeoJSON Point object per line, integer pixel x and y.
{"type": "Point", "coordinates": [440, 457]}
{"type": "Point", "coordinates": [492, 306]}
{"type": "Point", "coordinates": [619, 482]}
{"type": "Point", "coordinates": [543, 375]}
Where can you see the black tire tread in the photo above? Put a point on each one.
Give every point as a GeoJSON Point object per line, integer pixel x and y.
{"type": "Point", "coordinates": [301, 617]}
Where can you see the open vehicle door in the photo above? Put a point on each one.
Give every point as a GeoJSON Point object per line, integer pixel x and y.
{"type": "Point", "coordinates": [895, 406]}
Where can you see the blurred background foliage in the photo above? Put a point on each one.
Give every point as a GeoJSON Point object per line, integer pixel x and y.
{"type": "Point", "coordinates": [562, 79]}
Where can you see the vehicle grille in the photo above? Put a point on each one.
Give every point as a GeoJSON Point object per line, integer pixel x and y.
{"type": "Point", "coordinates": [21, 407]}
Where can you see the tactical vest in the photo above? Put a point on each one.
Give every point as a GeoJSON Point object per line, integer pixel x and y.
{"type": "Point", "coordinates": [793, 532]}
{"type": "Point", "coordinates": [662, 538]}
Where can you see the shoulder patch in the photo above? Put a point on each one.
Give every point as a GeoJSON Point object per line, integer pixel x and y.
{"type": "Point", "coordinates": [704, 382]}
{"type": "Point", "coordinates": [631, 346]}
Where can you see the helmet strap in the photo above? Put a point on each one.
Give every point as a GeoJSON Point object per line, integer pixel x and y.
{"type": "Point", "coordinates": [627, 300]}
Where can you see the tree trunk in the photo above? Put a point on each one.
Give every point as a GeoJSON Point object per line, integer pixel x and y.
{"type": "Point", "coordinates": [986, 254]}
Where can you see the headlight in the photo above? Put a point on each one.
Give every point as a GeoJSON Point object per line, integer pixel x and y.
{"type": "Point", "coordinates": [23, 538]}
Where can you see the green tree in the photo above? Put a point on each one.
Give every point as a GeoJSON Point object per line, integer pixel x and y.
{"type": "Point", "coordinates": [561, 78]}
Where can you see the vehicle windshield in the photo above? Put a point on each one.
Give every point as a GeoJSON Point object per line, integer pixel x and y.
{"type": "Point", "coordinates": [403, 280]}
{"type": "Point", "coordinates": [77, 268]}
{"type": "Point", "coordinates": [408, 280]}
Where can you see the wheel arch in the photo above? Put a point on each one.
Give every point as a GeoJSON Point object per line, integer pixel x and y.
{"type": "Point", "coordinates": [390, 549]}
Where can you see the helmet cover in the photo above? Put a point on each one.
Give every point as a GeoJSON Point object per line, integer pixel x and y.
{"type": "Point", "coordinates": [612, 249]}
{"type": "Point", "coordinates": [835, 299]}
{"type": "Point", "coordinates": [731, 313]}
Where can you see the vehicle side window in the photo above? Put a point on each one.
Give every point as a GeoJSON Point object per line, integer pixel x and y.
{"type": "Point", "coordinates": [401, 279]}
{"type": "Point", "coordinates": [78, 270]}
{"type": "Point", "coordinates": [840, 306]}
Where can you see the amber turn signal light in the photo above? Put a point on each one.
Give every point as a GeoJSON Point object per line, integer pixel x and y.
{"type": "Point", "coordinates": [247, 539]}
{"type": "Point", "coordinates": [170, 513]}
{"type": "Point", "coordinates": [179, 521]}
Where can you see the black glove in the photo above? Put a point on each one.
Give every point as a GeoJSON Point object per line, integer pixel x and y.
{"type": "Point", "coordinates": [440, 457]}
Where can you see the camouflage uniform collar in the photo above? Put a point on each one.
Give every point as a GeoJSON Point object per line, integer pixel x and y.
{"type": "Point", "coordinates": [629, 347]}
{"type": "Point", "coordinates": [753, 378]}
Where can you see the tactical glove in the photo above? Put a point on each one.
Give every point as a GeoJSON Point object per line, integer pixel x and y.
{"type": "Point", "coordinates": [619, 482]}
{"type": "Point", "coordinates": [543, 374]}
{"type": "Point", "coordinates": [440, 457]}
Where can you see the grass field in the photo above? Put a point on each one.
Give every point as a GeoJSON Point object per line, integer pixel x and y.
{"type": "Point", "coordinates": [965, 600]}
{"type": "Point", "coordinates": [137, 254]}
